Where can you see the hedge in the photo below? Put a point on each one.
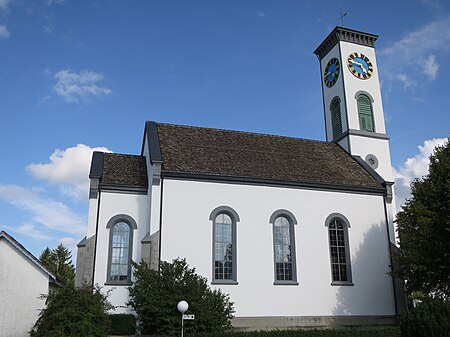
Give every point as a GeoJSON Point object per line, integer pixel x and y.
{"type": "Point", "coordinates": [122, 324]}
{"type": "Point", "coordinates": [393, 331]}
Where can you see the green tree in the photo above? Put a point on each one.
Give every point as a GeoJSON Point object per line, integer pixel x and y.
{"type": "Point", "coordinates": [58, 261]}
{"type": "Point", "coordinates": [155, 295]}
{"type": "Point", "coordinates": [73, 312]}
{"type": "Point", "coordinates": [424, 229]}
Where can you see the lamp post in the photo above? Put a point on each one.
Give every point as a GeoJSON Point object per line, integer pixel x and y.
{"type": "Point", "coordinates": [182, 307]}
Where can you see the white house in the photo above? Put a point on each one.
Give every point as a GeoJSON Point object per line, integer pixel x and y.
{"type": "Point", "coordinates": [23, 280]}
{"type": "Point", "coordinates": [298, 232]}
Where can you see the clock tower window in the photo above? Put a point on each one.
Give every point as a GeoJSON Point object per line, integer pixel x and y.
{"type": "Point", "coordinates": [336, 119]}
{"type": "Point", "coordinates": [365, 113]}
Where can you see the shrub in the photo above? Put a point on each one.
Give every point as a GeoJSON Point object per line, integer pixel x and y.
{"type": "Point", "coordinates": [429, 319]}
{"type": "Point", "coordinates": [73, 312]}
{"type": "Point", "coordinates": [122, 324]}
{"type": "Point", "coordinates": [154, 296]}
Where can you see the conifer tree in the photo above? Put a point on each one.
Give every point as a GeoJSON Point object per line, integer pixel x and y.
{"type": "Point", "coordinates": [58, 261]}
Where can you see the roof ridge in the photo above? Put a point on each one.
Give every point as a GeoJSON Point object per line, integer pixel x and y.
{"type": "Point", "coordinates": [243, 132]}
{"type": "Point", "coordinates": [123, 154]}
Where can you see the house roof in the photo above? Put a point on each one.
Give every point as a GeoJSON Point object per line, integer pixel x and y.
{"type": "Point", "coordinates": [124, 170]}
{"type": "Point", "coordinates": [215, 153]}
{"type": "Point", "coordinates": [21, 249]}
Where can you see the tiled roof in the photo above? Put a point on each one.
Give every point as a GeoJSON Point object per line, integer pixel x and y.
{"type": "Point", "coordinates": [125, 170]}
{"type": "Point", "coordinates": [214, 152]}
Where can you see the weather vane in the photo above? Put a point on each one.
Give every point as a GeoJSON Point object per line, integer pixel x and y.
{"type": "Point", "coordinates": [342, 16]}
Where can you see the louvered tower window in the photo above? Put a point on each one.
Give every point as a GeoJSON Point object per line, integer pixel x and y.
{"type": "Point", "coordinates": [336, 120]}
{"type": "Point", "coordinates": [365, 113]}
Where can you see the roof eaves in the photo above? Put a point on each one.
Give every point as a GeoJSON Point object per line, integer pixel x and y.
{"type": "Point", "coordinates": [271, 182]}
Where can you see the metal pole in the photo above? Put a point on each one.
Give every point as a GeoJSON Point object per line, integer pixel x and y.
{"type": "Point", "coordinates": [182, 325]}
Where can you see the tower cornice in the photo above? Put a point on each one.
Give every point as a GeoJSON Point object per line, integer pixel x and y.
{"type": "Point", "coordinates": [344, 34]}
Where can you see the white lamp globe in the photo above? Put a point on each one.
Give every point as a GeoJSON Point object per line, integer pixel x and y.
{"type": "Point", "coordinates": [182, 306]}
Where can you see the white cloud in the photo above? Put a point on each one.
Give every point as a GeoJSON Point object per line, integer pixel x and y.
{"type": "Point", "coordinates": [433, 3]}
{"type": "Point", "coordinates": [412, 168]}
{"type": "Point", "coordinates": [4, 4]}
{"type": "Point", "coordinates": [68, 168]}
{"type": "Point", "coordinates": [75, 87]}
{"type": "Point", "coordinates": [4, 32]}
{"type": "Point", "coordinates": [45, 212]}
{"type": "Point", "coordinates": [417, 52]}
{"type": "Point", "coordinates": [261, 14]}
{"type": "Point", "coordinates": [29, 230]}
{"type": "Point", "coordinates": [54, 2]}
{"type": "Point", "coordinates": [408, 83]}
{"type": "Point", "coordinates": [431, 67]}
{"type": "Point", "coordinates": [68, 241]}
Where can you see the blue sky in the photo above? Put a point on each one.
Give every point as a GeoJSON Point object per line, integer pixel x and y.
{"type": "Point", "coordinates": [82, 75]}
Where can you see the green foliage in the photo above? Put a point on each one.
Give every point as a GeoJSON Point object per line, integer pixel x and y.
{"type": "Point", "coordinates": [73, 312]}
{"type": "Point", "coordinates": [343, 332]}
{"type": "Point", "coordinates": [58, 261]}
{"type": "Point", "coordinates": [155, 294]}
{"type": "Point", "coordinates": [122, 324]}
{"type": "Point", "coordinates": [424, 229]}
{"type": "Point", "coordinates": [428, 319]}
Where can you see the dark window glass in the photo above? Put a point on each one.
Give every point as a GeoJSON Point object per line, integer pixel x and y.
{"type": "Point", "coordinates": [338, 251]}
{"type": "Point", "coordinates": [223, 247]}
{"type": "Point", "coordinates": [119, 252]}
{"type": "Point", "coordinates": [282, 248]}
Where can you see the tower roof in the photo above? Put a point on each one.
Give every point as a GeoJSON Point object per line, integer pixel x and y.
{"type": "Point", "coordinates": [344, 34]}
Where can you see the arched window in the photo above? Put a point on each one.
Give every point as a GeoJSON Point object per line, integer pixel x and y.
{"type": "Point", "coordinates": [339, 249]}
{"type": "Point", "coordinates": [224, 244]}
{"type": "Point", "coordinates": [365, 113]}
{"type": "Point", "coordinates": [285, 268]}
{"type": "Point", "coordinates": [120, 249]}
{"type": "Point", "coordinates": [336, 119]}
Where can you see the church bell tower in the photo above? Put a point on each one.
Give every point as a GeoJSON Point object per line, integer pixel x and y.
{"type": "Point", "coordinates": [354, 116]}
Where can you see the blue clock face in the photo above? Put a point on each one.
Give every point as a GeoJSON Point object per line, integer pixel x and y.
{"type": "Point", "coordinates": [331, 73]}
{"type": "Point", "coordinates": [360, 66]}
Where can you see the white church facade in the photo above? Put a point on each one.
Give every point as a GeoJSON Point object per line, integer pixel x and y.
{"type": "Point", "coordinates": [298, 232]}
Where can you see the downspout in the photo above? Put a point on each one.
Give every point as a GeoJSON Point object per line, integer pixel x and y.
{"type": "Point", "coordinates": [160, 221]}
{"type": "Point", "coordinates": [390, 254]}
{"type": "Point", "coordinates": [96, 238]}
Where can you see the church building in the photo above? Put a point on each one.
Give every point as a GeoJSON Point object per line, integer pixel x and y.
{"type": "Point", "coordinates": [298, 232]}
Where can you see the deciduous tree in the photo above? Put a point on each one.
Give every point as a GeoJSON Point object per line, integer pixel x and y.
{"type": "Point", "coordinates": [73, 312]}
{"type": "Point", "coordinates": [424, 229]}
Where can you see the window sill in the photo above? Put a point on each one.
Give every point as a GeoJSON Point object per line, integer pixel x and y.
{"type": "Point", "coordinates": [342, 284]}
{"type": "Point", "coordinates": [118, 283]}
{"type": "Point", "coordinates": [285, 283]}
{"type": "Point", "coordinates": [225, 282]}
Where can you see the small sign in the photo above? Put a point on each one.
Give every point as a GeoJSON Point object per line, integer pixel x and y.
{"type": "Point", "coordinates": [188, 317]}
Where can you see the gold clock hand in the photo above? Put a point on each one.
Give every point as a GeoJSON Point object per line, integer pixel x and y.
{"type": "Point", "coordinates": [361, 65]}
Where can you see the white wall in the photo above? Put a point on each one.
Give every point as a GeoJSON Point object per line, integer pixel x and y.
{"type": "Point", "coordinates": [135, 206]}
{"type": "Point", "coordinates": [187, 232]}
{"type": "Point", "coordinates": [22, 283]}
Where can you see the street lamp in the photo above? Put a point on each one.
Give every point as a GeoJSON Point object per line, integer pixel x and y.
{"type": "Point", "coordinates": [182, 307]}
